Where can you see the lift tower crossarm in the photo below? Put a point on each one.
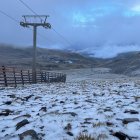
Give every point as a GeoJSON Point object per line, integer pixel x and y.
{"type": "Point", "coordinates": [45, 25]}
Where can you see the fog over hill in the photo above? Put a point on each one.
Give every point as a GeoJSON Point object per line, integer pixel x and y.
{"type": "Point", "coordinates": [108, 50]}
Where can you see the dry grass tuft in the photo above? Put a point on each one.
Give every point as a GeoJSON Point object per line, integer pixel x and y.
{"type": "Point", "coordinates": [102, 137]}
{"type": "Point", "coordinates": [99, 124]}
{"type": "Point", "coordinates": [83, 136]}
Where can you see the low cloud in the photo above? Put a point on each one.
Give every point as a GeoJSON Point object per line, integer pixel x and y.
{"type": "Point", "coordinates": [109, 51]}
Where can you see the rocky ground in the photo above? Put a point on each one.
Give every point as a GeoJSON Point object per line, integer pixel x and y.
{"type": "Point", "coordinates": [92, 101]}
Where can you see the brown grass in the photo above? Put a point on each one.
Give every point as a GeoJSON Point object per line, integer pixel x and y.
{"type": "Point", "coordinates": [84, 137]}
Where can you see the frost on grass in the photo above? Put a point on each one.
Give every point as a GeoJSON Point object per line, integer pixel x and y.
{"type": "Point", "coordinates": [97, 108]}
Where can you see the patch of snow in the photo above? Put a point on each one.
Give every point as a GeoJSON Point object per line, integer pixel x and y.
{"type": "Point", "coordinates": [86, 104]}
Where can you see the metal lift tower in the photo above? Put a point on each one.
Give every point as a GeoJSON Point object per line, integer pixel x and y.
{"type": "Point", "coordinates": [38, 20]}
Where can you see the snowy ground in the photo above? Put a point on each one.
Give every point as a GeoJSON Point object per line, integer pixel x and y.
{"type": "Point", "coordinates": [95, 106]}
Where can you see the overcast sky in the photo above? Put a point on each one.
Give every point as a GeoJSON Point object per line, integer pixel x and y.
{"type": "Point", "coordinates": [96, 26]}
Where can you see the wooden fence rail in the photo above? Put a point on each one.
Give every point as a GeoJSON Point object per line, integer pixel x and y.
{"type": "Point", "coordinates": [12, 77]}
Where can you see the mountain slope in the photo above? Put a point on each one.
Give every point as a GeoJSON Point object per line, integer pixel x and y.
{"type": "Point", "coordinates": [125, 63]}
{"type": "Point", "coordinates": [46, 58]}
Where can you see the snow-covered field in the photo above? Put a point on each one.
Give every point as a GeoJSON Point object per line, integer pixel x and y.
{"type": "Point", "coordinates": [61, 111]}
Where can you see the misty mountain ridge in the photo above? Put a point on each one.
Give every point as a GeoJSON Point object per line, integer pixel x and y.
{"type": "Point", "coordinates": [124, 63]}
{"type": "Point", "coordinates": [108, 50]}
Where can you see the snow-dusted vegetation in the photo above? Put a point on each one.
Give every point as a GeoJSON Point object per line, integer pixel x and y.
{"type": "Point", "coordinates": [106, 109]}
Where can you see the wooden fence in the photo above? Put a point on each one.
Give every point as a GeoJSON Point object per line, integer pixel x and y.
{"type": "Point", "coordinates": [13, 77]}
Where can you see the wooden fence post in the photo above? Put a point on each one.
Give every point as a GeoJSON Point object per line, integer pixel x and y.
{"type": "Point", "coordinates": [48, 77]}
{"type": "Point", "coordinates": [41, 76]}
{"type": "Point", "coordinates": [45, 77]}
{"type": "Point", "coordinates": [4, 76]}
{"type": "Point", "coordinates": [29, 76]}
{"type": "Point", "coordinates": [22, 77]}
{"type": "Point", "coordinates": [65, 76]}
{"type": "Point", "coordinates": [15, 81]}
{"type": "Point", "coordinates": [60, 78]}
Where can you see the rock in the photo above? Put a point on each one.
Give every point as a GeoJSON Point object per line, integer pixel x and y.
{"type": "Point", "coordinates": [18, 98]}
{"type": "Point", "coordinates": [86, 122]}
{"type": "Point", "coordinates": [89, 101]}
{"type": "Point", "coordinates": [2, 130]}
{"type": "Point", "coordinates": [73, 114]}
{"type": "Point", "coordinates": [85, 131]}
{"type": "Point", "coordinates": [70, 133]}
{"type": "Point", "coordinates": [43, 109]}
{"type": "Point", "coordinates": [62, 102]}
{"type": "Point", "coordinates": [131, 111]}
{"type": "Point", "coordinates": [83, 126]}
{"type": "Point", "coordinates": [26, 115]}
{"type": "Point", "coordinates": [68, 127]}
{"type": "Point", "coordinates": [108, 109]}
{"type": "Point", "coordinates": [6, 112]}
{"type": "Point", "coordinates": [88, 119]}
{"type": "Point", "coordinates": [129, 120]}
{"type": "Point", "coordinates": [8, 102]}
{"type": "Point", "coordinates": [41, 127]}
{"type": "Point", "coordinates": [38, 97]}
{"type": "Point", "coordinates": [12, 96]}
{"type": "Point", "coordinates": [38, 114]}
{"type": "Point", "coordinates": [121, 136]}
{"type": "Point", "coordinates": [109, 124]}
{"type": "Point", "coordinates": [28, 97]}
{"type": "Point", "coordinates": [21, 124]}
{"type": "Point", "coordinates": [28, 133]}
{"type": "Point", "coordinates": [77, 107]}
{"type": "Point", "coordinates": [74, 93]}
{"type": "Point", "coordinates": [119, 101]}
{"type": "Point", "coordinates": [75, 102]}
{"type": "Point", "coordinates": [53, 105]}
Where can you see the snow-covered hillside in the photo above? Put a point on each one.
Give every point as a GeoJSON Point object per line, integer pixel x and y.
{"type": "Point", "coordinates": [100, 107]}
